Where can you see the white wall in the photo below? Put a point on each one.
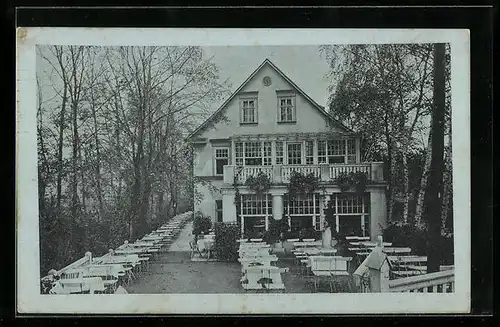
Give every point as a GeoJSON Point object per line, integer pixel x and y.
{"type": "Point", "coordinates": [309, 119]}
{"type": "Point", "coordinates": [207, 203]}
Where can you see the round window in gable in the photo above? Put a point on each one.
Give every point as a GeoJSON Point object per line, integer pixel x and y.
{"type": "Point", "coordinates": [266, 81]}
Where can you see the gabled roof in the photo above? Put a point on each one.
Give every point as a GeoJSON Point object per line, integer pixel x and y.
{"type": "Point", "coordinates": [321, 109]}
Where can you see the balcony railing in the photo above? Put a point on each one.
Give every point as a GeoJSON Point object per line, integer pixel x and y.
{"type": "Point", "coordinates": [279, 174]}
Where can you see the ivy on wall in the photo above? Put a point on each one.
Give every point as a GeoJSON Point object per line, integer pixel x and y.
{"type": "Point", "coordinates": [260, 183]}
{"type": "Point", "coordinates": [302, 184]}
{"type": "Point", "coordinates": [356, 181]}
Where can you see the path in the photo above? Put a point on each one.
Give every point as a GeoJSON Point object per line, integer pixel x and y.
{"type": "Point", "coordinates": [175, 273]}
{"type": "Point", "coordinates": [181, 244]}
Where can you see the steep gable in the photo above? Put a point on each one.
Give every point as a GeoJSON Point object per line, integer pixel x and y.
{"type": "Point", "coordinates": [311, 117]}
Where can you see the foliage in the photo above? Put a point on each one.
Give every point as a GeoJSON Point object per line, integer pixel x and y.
{"type": "Point", "coordinates": [226, 235]}
{"type": "Point", "coordinates": [408, 235]}
{"type": "Point", "coordinates": [308, 233]}
{"type": "Point", "coordinates": [277, 231]}
{"type": "Point", "coordinates": [342, 243]}
{"type": "Point", "coordinates": [384, 93]}
{"type": "Point", "coordinates": [260, 183]}
{"type": "Point", "coordinates": [112, 158]}
{"type": "Point", "coordinates": [201, 223]}
{"type": "Point", "coordinates": [352, 180]}
{"type": "Point", "coordinates": [302, 184]}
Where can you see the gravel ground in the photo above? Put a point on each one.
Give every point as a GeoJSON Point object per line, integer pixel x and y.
{"type": "Point", "coordinates": [174, 273]}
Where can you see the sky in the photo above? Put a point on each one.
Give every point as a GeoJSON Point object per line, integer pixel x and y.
{"type": "Point", "coordinates": [302, 64]}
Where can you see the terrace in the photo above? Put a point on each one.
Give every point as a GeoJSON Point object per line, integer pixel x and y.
{"type": "Point", "coordinates": [165, 262]}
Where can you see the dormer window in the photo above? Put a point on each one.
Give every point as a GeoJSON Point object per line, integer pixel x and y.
{"type": "Point", "coordinates": [286, 107]}
{"type": "Point", "coordinates": [248, 108]}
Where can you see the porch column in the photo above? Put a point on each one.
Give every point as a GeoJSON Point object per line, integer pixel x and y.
{"type": "Point", "coordinates": [277, 206]}
{"type": "Point", "coordinates": [378, 212]}
{"type": "Point", "coordinates": [228, 207]}
{"type": "Point", "coordinates": [325, 172]}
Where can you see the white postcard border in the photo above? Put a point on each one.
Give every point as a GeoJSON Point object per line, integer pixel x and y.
{"type": "Point", "coordinates": [29, 299]}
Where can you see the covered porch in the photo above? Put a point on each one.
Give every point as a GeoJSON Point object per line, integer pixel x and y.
{"type": "Point", "coordinates": [355, 214]}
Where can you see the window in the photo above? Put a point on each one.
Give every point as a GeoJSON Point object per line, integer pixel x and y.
{"type": "Point", "coordinates": [294, 153]}
{"type": "Point", "coordinates": [218, 210]}
{"type": "Point", "coordinates": [309, 152]}
{"type": "Point", "coordinates": [279, 153]}
{"type": "Point", "coordinates": [321, 152]}
{"type": "Point", "coordinates": [238, 147]}
{"type": "Point", "coordinates": [267, 147]}
{"type": "Point", "coordinates": [221, 159]}
{"type": "Point", "coordinates": [255, 213]}
{"type": "Point", "coordinates": [336, 151]}
{"type": "Point", "coordinates": [248, 107]}
{"type": "Point", "coordinates": [286, 109]}
{"type": "Point", "coordinates": [352, 214]}
{"type": "Point", "coordinates": [351, 151]}
{"type": "Point", "coordinates": [256, 205]}
{"type": "Point", "coordinates": [303, 212]}
{"type": "Point", "coordinates": [253, 154]}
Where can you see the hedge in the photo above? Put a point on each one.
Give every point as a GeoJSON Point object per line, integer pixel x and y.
{"type": "Point", "coordinates": [201, 223]}
{"type": "Point", "coordinates": [226, 245]}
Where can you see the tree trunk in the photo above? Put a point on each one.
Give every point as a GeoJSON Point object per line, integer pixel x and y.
{"type": "Point", "coordinates": [433, 208]}
{"type": "Point", "coordinates": [74, 170]}
{"type": "Point", "coordinates": [447, 180]}
{"type": "Point", "coordinates": [392, 169]}
{"type": "Point", "coordinates": [97, 161]}
{"type": "Point", "coordinates": [423, 182]}
{"type": "Point", "coordinates": [406, 186]}
{"type": "Point", "coordinates": [62, 115]}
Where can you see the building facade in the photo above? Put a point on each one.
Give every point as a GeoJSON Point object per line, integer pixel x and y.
{"type": "Point", "coordinates": [269, 125]}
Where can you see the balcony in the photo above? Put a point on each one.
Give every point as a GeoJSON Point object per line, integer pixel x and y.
{"type": "Point", "coordinates": [280, 174]}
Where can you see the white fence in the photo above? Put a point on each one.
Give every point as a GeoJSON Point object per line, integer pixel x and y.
{"type": "Point", "coordinates": [282, 173]}
{"type": "Point", "coordinates": [373, 276]}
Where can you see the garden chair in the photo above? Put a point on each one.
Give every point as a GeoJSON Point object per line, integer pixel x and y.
{"type": "Point", "coordinates": [71, 282]}
{"type": "Point", "coordinates": [110, 274]}
{"type": "Point", "coordinates": [329, 268]}
{"type": "Point", "coordinates": [194, 249]}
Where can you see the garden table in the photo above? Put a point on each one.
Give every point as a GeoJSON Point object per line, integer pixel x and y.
{"type": "Point", "coordinates": [262, 277]}
{"type": "Point", "coordinates": [257, 261]}
{"type": "Point", "coordinates": [72, 286]}
{"type": "Point", "coordinates": [373, 244]}
{"type": "Point", "coordinates": [328, 251]}
{"type": "Point", "coordinates": [396, 250]}
{"type": "Point", "coordinates": [357, 238]}
{"type": "Point", "coordinates": [307, 244]}
{"type": "Point", "coordinates": [310, 251]}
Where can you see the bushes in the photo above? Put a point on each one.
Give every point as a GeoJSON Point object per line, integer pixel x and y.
{"type": "Point", "coordinates": [201, 224]}
{"type": "Point", "coordinates": [277, 231]}
{"type": "Point", "coordinates": [352, 180]}
{"type": "Point", "coordinates": [408, 235]}
{"type": "Point", "coordinates": [226, 247]}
